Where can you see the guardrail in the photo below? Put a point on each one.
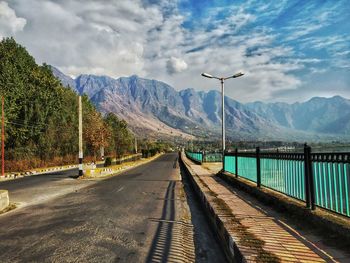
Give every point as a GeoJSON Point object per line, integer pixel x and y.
{"type": "Point", "coordinates": [318, 179]}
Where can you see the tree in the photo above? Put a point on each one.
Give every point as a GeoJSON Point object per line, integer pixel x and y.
{"type": "Point", "coordinates": [120, 138]}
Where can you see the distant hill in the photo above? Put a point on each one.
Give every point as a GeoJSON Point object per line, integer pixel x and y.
{"type": "Point", "coordinates": [152, 106]}
{"type": "Point", "coordinates": [320, 115]}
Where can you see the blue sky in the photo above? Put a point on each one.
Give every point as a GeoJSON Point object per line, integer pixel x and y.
{"type": "Point", "coordinates": [289, 50]}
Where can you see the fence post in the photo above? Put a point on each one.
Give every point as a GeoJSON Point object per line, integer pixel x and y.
{"type": "Point", "coordinates": [223, 161]}
{"type": "Point", "coordinates": [311, 181]}
{"type": "Point", "coordinates": [236, 162]}
{"type": "Point", "coordinates": [307, 164]}
{"type": "Point", "coordinates": [258, 171]}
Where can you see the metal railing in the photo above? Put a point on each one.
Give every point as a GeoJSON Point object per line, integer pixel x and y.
{"type": "Point", "coordinates": [204, 157]}
{"type": "Point", "coordinates": [211, 157]}
{"type": "Point", "coordinates": [331, 172]}
{"type": "Point", "coordinates": [319, 179]}
{"type": "Point", "coordinates": [195, 156]}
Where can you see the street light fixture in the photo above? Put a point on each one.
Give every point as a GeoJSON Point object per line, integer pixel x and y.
{"type": "Point", "coordinates": [207, 75]}
{"type": "Point", "coordinates": [222, 80]}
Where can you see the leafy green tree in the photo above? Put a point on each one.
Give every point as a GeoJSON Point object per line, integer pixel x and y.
{"type": "Point", "coordinates": [119, 137]}
{"type": "Point", "coordinates": [42, 117]}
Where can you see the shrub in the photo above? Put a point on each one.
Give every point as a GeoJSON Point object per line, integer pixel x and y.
{"type": "Point", "coordinates": [108, 161]}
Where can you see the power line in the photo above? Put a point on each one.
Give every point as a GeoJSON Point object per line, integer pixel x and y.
{"type": "Point", "coordinates": [27, 125]}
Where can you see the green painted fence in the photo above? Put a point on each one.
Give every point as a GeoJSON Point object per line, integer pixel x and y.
{"type": "Point", "coordinates": [285, 176]}
{"type": "Point", "coordinates": [230, 164]}
{"type": "Point", "coordinates": [328, 177]}
{"type": "Point", "coordinates": [195, 156]}
{"type": "Point", "coordinates": [204, 157]}
{"type": "Point", "coordinates": [247, 168]}
{"type": "Point", "coordinates": [210, 157]}
{"type": "Point", "coordinates": [332, 180]}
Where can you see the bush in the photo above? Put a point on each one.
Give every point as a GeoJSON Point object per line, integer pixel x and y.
{"type": "Point", "coordinates": [108, 161]}
{"type": "Point", "coordinates": [146, 153]}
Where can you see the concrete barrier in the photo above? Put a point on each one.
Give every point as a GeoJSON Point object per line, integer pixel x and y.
{"type": "Point", "coordinates": [232, 253]}
{"type": "Point", "coordinates": [4, 199]}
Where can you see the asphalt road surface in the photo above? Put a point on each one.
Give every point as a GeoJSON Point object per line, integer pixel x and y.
{"type": "Point", "coordinates": [141, 215]}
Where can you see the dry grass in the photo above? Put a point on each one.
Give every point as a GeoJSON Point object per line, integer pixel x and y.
{"type": "Point", "coordinates": [36, 163]}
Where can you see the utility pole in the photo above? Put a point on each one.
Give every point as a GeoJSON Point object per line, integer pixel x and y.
{"type": "Point", "coordinates": [135, 144]}
{"type": "Point", "coordinates": [102, 148]}
{"type": "Point", "coordinates": [3, 139]}
{"type": "Point", "coordinates": [80, 138]}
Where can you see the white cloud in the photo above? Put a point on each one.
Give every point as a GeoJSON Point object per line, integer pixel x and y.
{"type": "Point", "coordinates": [9, 22]}
{"type": "Point", "coordinates": [107, 37]}
{"type": "Point", "coordinates": [121, 38]}
{"type": "Point", "coordinates": [175, 65]}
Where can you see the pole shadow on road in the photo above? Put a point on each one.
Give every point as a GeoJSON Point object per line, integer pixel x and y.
{"type": "Point", "coordinates": [161, 243]}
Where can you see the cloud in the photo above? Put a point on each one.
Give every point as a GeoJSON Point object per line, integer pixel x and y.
{"type": "Point", "coordinates": [9, 22]}
{"type": "Point", "coordinates": [107, 37]}
{"type": "Point", "coordinates": [276, 45]}
{"type": "Point", "coordinates": [175, 65]}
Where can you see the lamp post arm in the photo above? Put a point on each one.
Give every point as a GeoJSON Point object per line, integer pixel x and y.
{"type": "Point", "coordinates": [222, 80]}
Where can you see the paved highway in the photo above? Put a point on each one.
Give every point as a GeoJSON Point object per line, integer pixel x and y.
{"type": "Point", "coordinates": [141, 215]}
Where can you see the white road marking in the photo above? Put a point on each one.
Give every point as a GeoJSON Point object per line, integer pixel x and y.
{"type": "Point", "coordinates": [120, 189]}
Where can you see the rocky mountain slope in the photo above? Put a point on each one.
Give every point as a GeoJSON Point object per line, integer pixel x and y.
{"type": "Point", "coordinates": [321, 115]}
{"type": "Point", "coordinates": [153, 107]}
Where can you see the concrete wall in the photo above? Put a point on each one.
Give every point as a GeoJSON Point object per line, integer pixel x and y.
{"type": "Point", "coordinates": [4, 199]}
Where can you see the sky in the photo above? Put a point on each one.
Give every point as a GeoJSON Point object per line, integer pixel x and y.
{"type": "Point", "coordinates": [289, 50]}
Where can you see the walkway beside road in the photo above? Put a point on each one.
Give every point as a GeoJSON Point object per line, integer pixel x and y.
{"type": "Point", "coordinates": [259, 234]}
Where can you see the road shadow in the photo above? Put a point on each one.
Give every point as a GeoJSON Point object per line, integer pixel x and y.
{"type": "Point", "coordinates": [160, 248]}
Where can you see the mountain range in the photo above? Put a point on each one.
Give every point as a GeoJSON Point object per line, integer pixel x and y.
{"type": "Point", "coordinates": [153, 108]}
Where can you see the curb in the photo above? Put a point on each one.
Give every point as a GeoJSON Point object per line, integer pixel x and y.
{"type": "Point", "coordinates": [38, 172]}
{"type": "Point", "coordinates": [4, 199]}
{"type": "Point", "coordinates": [227, 242]}
{"type": "Point", "coordinates": [115, 171]}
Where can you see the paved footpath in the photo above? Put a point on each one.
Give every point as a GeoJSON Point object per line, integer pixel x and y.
{"type": "Point", "coordinates": [260, 236]}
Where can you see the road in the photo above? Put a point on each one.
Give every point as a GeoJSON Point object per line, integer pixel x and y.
{"type": "Point", "coordinates": [141, 215]}
{"type": "Point", "coordinates": [39, 188]}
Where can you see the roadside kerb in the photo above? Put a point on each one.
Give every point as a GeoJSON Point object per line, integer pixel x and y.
{"type": "Point", "coordinates": [100, 173]}
{"type": "Point", "coordinates": [246, 232]}
{"type": "Point", "coordinates": [227, 242]}
{"type": "Point", "coordinates": [38, 171]}
{"type": "Point", "coordinates": [4, 199]}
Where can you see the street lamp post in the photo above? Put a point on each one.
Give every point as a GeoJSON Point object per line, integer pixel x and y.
{"type": "Point", "coordinates": [222, 81]}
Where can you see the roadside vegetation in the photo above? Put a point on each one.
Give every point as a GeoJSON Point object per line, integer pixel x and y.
{"type": "Point", "coordinates": [41, 116]}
